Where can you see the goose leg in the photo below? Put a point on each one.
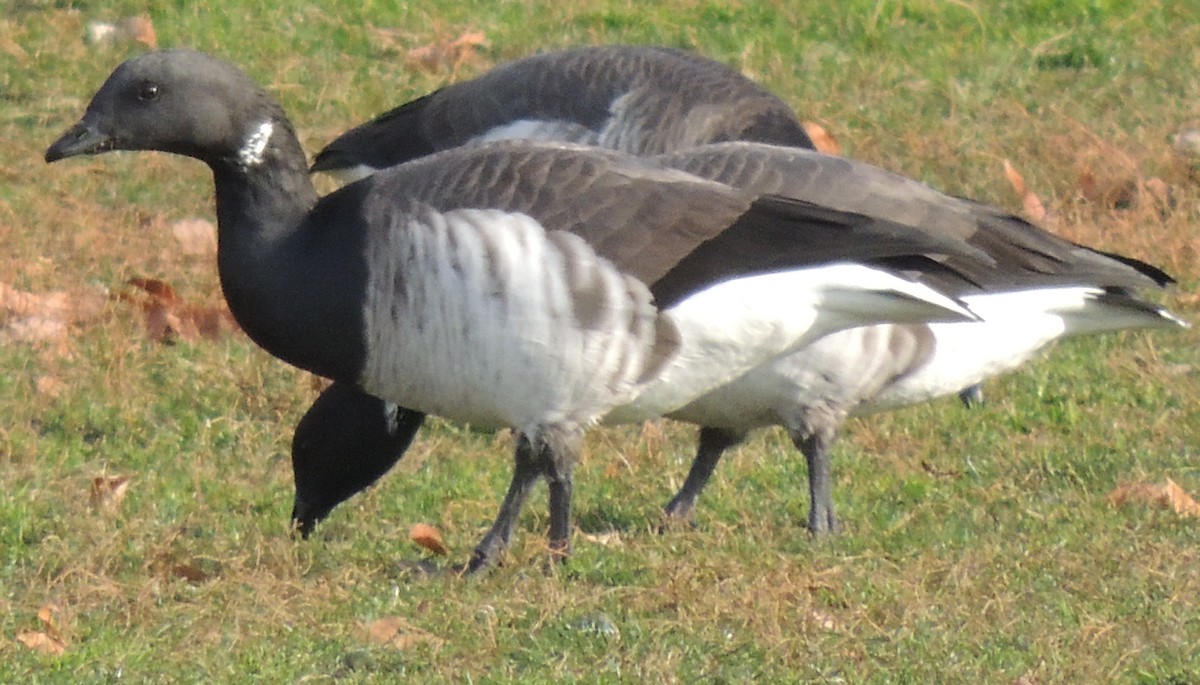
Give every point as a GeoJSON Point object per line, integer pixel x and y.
{"type": "Point", "coordinates": [713, 443]}
{"type": "Point", "coordinates": [558, 454]}
{"type": "Point", "coordinates": [527, 470]}
{"type": "Point", "coordinates": [971, 396]}
{"type": "Point", "coordinates": [815, 446]}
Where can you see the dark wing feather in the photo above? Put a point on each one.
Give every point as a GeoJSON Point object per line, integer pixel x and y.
{"type": "Point", "coordinates": [672, 99]}
{"type": "Point", "coordinates": [1024, 255]}
{"type": "Point", "coordinates": [390, 138]}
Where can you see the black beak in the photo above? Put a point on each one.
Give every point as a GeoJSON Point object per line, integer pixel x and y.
{"type": "Point", "coordinates": [82, 139]}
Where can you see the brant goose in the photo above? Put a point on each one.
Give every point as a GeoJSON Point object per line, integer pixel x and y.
{"type": "Point", "coordinates": [1040, 288]}
{"type": "Point", "coordinates": [644, 100]}
{"type": "Point", "coordinates": [638, 99]}
{"type": "Point", "coordinates": [515, 284]}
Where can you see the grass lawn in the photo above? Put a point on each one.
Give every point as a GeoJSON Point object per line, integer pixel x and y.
{"type": "Point", "coordinates": [980, 547]}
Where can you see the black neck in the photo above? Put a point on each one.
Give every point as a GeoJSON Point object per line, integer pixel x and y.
{"type": "Point", "coordinates": [293, 283]}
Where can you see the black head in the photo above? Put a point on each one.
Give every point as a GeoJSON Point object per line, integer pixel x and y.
{"type": "Point", "coordinates": [345, 442]}
{"type": "Point", "coordinates": [179, 101]}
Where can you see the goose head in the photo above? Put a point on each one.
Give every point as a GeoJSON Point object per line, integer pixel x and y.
{"type": "Point", "coordinates": [182, 102]}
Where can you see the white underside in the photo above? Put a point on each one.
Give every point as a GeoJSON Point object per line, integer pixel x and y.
{"type": "Point", "coordinates": [857, 372]}
{"type": "Point", "coordinates": [746, 323]}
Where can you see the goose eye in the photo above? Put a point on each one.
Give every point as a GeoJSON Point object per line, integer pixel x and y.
{"type": "Point", "coordinates": [148, 92]}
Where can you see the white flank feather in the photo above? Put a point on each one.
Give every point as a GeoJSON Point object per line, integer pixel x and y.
{"type": "Point", "coordinates": [738, 325]}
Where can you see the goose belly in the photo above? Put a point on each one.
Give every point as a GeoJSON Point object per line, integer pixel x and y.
{"type": "Point", "coordinates": [836, 371]}
{"type": "Point", "coordinates": [738, 325]}
{"type": "Point", "coordinates": [966, 354]}
{"type": "Point", "coordinates": [1016, 326]}
{"type": "Point", "coordinates": [482, 316]}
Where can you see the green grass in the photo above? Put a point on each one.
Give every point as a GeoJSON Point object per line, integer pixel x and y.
{"type": "Point", "coordinates": [980, 546]}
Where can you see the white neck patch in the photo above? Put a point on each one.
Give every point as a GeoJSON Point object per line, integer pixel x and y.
{"type": "Point", "coordinates": [251, 154]}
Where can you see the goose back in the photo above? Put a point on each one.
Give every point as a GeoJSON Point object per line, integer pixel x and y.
{"type": "Point", "coordinates": [639, 99]}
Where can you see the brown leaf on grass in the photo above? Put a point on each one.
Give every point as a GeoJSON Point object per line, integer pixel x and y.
{"type": "Point", "coordinates": [1034, 209]}
{"type": "Point", "coordinates": [36, 329]}
{"type": "Point", "coordinates": [49, 386]}
{"type": "Point", "coordinates": [453, 53]}
{"type": "Point", "coordinates": [42, 642]}
{"type": "Point", "coordinates": [1113, 191]}
{"type": "Point", "coordinates": [936, 472]}
{"type": "Point", "coordinates": [393, 631]}
{"type": "Point", "coordinates": [428, 537]}
{"type": "Point", "coordinates": [41, 318]}
{"type": "Point", "coordinates": [108, 492]}
{"type": "Point", "coordinates": [612, 470]}
{"type": "Point", "coordinates": [822, 139]}
{"type": "Point", "coordinates": [195, 236]}
{"type": "Point", "coordinates": [21, 303]}
{"type": "Point", "coordinates": [1167, 495]}
{"type": "Point", "coordinates": [49, 640]}
{"type": "Point", "coordinates": [48, 615]}
{"type": "Point", "coordinates": [55, 306]}
{"type": "Point", "coordinates": [8, 44]}
{"type": "Point", "coordinates": [197, 570]}
{"type": "Point", "coordinates": [134, 29]}
{"type": "Point", "coordinates": [141, 30]}
{"type": "Point", "coordinates": [169, 317]}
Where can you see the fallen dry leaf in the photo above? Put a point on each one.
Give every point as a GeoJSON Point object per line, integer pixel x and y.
{"type": "Point", "coordinates": [612, 470]}
{"type": "Point", "coordinates": [393, 631]}
{"type": "Point", "coordinates": [8, 45]}
{"type": "Point", "coordinates": [136, 29]}
{"type": "Point", "coordinates": [197, 570]}
{"type": "Point", "coordinates": [1123, 192]}
{"type": "Point", "coordinates": [1034, 209]}
{"type": "Point", "coordinates": [41, 642]}
{"type": "Point", "coordinates": [454, 53]}
{"type": "Point", "coordinates": [56, 304]}
{"type": "Point", "coordinates": [169, 317]}
{"type": "Point", "coordinates": [195, 236]}
{"type": "Point", "coordinates": [108, 492]}
{"type": "Point", "coordinates": [428, 537]}
{"type": "Point", "coordinates": [35, 329]}
{"type": "Point", "coordinates": [49, 640]}
{"type": "Point", "coordinates": [1167, 495]}
{"type": "Point", "coordinates": [49, 386]}
{"type": "Point", "coordinates": [822, 139]}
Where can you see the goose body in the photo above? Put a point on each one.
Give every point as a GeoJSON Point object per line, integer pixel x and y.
{"type": "Point", "coordinates": [639, 99]}
{"type": "Point", "coordinates": [1038, 288]}
{"type": "Point", "coordinates": [585, 280]}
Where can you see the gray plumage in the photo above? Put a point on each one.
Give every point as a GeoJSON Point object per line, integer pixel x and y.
{"type": "Point", "coordinates": [638, 99]}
